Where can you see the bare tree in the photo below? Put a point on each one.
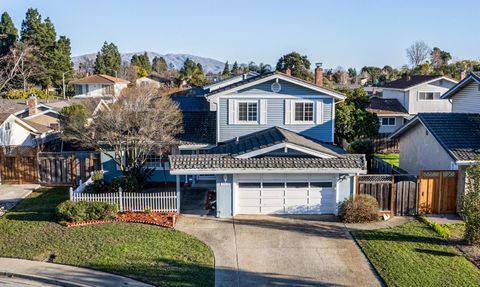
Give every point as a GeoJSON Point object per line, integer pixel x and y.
{"type": "Point", "coordinates": [18, 64]}
{"type": "Point", "coordinates": [138, 124]}
{"type": "Point", "coordinates": [417, 53]}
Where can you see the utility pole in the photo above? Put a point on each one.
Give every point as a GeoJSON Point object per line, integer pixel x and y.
{"type": "Point", "coordinates": [63, 84]}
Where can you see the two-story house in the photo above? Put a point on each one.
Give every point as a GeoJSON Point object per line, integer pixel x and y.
{"type": "Point", "coordinates": [272, 148]}
{"type": "Point", "coordinates": [99, 86]}
{"type": "Point", "coordinates": [445, 141]}
{"type": "Point", "coordinates": [264, 143]}
{"type": "Point", "coordinates": [404, 98]}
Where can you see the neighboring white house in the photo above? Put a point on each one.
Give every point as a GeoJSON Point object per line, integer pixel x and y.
{"type": "Point", "coordinates": [99, 86]}
{"type": "Point", "coordinates": [420, 94]}
{"type": "Point", "coordinates": [155, 80]}
{"type": "Point", "coordinates": [445, 141]}
{"type": "Point", "coordinates": [391, 114]}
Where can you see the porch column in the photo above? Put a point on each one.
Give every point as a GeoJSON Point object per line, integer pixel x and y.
{"type": "Point", "coordinates": [178, 192]}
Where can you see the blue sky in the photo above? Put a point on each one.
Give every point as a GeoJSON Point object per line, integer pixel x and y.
{"type": "Point", "coordinates": [344, 33]}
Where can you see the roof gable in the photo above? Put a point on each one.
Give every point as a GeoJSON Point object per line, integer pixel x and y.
{"type": "Point", "coordinates": [273, 76]}
{"type": "Point", "coordinates": [457, 133]}
{"type": "Point", "coordinates": [382, 106]}
{"type": "Point", "coordinates": [472, 77]}
{"type": "Point", "coordinates": [408, 82]}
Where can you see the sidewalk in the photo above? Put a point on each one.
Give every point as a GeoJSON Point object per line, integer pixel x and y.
{"type": "Point", "coordinates": [49, 274]}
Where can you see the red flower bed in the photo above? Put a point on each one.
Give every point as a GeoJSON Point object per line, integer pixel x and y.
{"type": "Point", "coordinates": [166, 220]}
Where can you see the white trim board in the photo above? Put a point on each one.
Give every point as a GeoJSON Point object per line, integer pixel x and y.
{"type": "Point", "coordinates": [285, 146]}
{"type": "Point", "coordinates": [271, 170]}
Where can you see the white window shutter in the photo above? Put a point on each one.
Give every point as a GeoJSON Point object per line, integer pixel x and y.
{"type": "Point", "coordinates": [263, 111]}
{"type": "Point", "coordinates": [288, 112]}
{"type": "Point", "coordinates": [232, 105]}
{"type": "Point", "coordinates": [319, 111]}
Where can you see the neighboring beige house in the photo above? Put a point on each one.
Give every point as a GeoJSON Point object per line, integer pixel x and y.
{"type": "Point", "coordinates": [155, 81]}
{"type": "Point", "coordinates": [420, 94]}
{"type": "Point", "coordinates": [444, 141]}
{"type": "Point", "coordinates": [99, 86]}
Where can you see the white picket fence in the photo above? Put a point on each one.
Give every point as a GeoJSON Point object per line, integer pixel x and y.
{"type": "Point", "coordinates": [161, 201]}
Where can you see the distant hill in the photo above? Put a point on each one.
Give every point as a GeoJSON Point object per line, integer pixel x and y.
{"type": "Point", "coordinates": [173, 60]}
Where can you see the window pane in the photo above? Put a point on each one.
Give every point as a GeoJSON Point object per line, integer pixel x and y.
{"type": "Point", "coordinates": [325, 184]}
{"type": "Point", "coordinates": [242, 111]}
{"type": "Point", "coordinates": [273, 185]}
{"type": "Point", "coordinates": [391, 121]}
{"type": "Point", "coordinates": [249, 184]}
{"type": "Point", "coordinates": [252, 112]}
{"type": "Point", "coordinates": [308, 112]}
{"type": "Point", "coordinates": [299, 111]}
{"type": "Point", "coordinates": [384, 121]}
{"type": "Point", "coordinates": [297, 184]}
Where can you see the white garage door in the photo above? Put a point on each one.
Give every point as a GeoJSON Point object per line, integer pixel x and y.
{"type": "Point", "coordinates": [285, 194]}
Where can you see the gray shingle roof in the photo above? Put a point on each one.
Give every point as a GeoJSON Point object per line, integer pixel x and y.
{"type": "Point", "coordinates": [198, 128]}
{"type": "Point", "coordinates": [458, 134]}
{"type": "Point", "coordinates": [386, 106]}
{"type": "Point", "coordinates": [225, 163]}
{"type": "Point", "coordinates": [272, 136]}
{"type": "Point", "coordinates": [410, 81]}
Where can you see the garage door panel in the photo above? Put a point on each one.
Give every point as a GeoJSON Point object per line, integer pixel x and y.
{"type": "Point", "coordinates": [286, 194]}
{"type": "Point", "coordinates": [249, 193]}
{"type": "Point", "coordinates": [272, 201]}
{"type": "Point", "coordinates": [273, 193]}
{"type": "Point", "coordinates": [296, 193]}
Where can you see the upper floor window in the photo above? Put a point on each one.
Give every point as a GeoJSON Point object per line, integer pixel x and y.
{"type": "Point", "coordinates": [428, 96]}
{"type": "Point", "coordinates": [304, 111]}
{"type": "Point", "coordinates": [247, 111]}
{"type": "Point", "coordinates": [387, 121]}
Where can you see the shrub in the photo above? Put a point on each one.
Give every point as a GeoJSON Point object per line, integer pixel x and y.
{"type": "Point", "coordinates": [21, 94]}
{"type": "Point", "coordinates": [97, 175]}
{"type": "Point", "coordinates": [471, 204]}
{"type": "Point", "coordinates": [359, 209]}
{"type": "Point", "coordinates": [85, 210]}
{"type": "Point", "coordinates": [127, 183]}
{"type": "Point", "coordinates": [363, 146]}
{"type": "Point", "coordinates": [441, 230]}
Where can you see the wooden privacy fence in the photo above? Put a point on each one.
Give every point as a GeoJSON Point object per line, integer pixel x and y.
{"type": "Point", "coordinates": [18, 165]}
{"type": "Point", "coordinates": [378, 186]}
{"type": "Point", "coordinates": [161, 201]}
{"type": "Point", "coordinates": [438, 191]}
{"type": "Point", "coordinates": [379, 166]}
{"type": "Point", "coordinates": [67, 168]}
{"type": "Point", "coordinates": [385, 145]}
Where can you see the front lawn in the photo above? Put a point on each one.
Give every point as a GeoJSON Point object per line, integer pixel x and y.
{"type": "Point", "coordinates": [148, 253]}
{"type": "Point", "coordinates": [391, 158]}
{"type": "Point", "coordinates": [414, 255]}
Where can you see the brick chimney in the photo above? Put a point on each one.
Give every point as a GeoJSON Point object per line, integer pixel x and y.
{"type": "Point", "coordinates": [319, 75]}
{"type": "Point", "coordinates": [288, 72]}
{"type": "Point", "coordinates": [463, 75]}
{"type": "Point", "coordinates": [32, 104]}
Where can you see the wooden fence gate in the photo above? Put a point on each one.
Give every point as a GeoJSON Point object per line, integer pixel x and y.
{"type": "Point", "coordinates": [397, 194]}
{"type": "Point", "coordinates": [18, 165]}
{"type": "Point", "coordinates": [438, 191]}
{"type": "Point", "coordinates": [67, 168]}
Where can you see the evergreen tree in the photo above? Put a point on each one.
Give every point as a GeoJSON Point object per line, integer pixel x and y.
{"type": "Point", "coordinates": [62, 64]}
{"type": "Point", "coordinates": [8, 34]}
{"type": "Point", "coordinates": [141, 61]}
{"type": "Point", "coordinates": [192, 73]}
{"type": "Point", "coordinates": [159, 65]}
{"type": "Point", "coordinates": [53, 57]}
{"type": "Point", "coordinates": [226, 69]}
{"type": "Point", "coordinates": [108, 60]}
{"type": "Point", "coordinates": [235, 68]}
{"type": "Point", "coordinates": [298, 64]}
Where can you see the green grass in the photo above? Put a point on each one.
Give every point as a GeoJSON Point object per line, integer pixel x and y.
{"type": "Point", "coordinates": [414, 255]}
{"type": "Point", "coordinates": [391, 158]}
{"type": "Point", "coordinates": [148, 253]}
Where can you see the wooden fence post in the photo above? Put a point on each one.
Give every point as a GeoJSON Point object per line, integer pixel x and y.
{"type": "Point", "coordinates": [392, 198]}
{"type": "Point", "coordinates": [120, 199]}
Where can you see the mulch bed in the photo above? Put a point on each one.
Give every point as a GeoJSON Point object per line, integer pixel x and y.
{"type": "Point", "coordinates": [166, 220]}
{"type": "Point", "coordinates": [471, 252]}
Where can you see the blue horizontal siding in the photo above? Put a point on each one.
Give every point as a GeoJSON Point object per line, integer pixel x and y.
{"type": "Point", "coordinates": [275, 112]}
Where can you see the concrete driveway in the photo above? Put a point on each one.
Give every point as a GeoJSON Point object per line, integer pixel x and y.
{"type": "Point", "coordinates": [282, 251]}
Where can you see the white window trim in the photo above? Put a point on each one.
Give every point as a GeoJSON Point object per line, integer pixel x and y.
{"type": "Point", "coordinates": [394, 121]}
{"type": "Point", "coordinates": [237, 112]}
{"type": "Point", "coordinates": [292, 112]}
{"type": "Point", "coordinates": [439, 98]}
